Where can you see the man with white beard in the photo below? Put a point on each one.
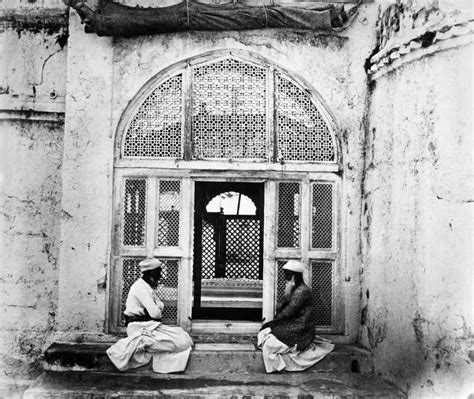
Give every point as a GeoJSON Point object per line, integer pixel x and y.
{"type": "Point", "coordinates": [289, 342]}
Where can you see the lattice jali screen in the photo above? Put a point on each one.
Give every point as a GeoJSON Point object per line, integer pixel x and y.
{"type": "Point", "coordinates": [156, 128]}
{"type": "Point", "coordinates": [242, 248]}
{"type": "Point", "coordinates": [134, 212]}
{"type": "Point", "coordinates": [303, 134]}
{"type": "Point", "coordinates": [167, 290]}
{"type": "Point", "coordinates": [322, 290]}
{"type": "Point", "coordinates": [229, 110]}
{"type": "Point", "coordinates": [169, 209]}
{"type": "Point", "coordinates": [322, 215]}
{"type": "Point", "coordinates": [130, 274]}
{"type": "Point", "coordinates": [208, 250]}
{"type": "Point", "coordinates": [288, 215]}
{"type": "Point", "coordinates": [280, 280]}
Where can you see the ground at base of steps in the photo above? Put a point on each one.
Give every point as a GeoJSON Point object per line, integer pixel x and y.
{"type": "Point", "coordinates": [89, 384]}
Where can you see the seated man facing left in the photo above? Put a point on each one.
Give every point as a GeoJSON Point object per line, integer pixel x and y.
{"type": "Point", "coordinates": [289, 342]}
{"type": "Point", "coordinates": [147, 337]}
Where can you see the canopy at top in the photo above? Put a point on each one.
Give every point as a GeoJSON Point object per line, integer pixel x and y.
{"type": "Point", "coordinates": [113, 19]}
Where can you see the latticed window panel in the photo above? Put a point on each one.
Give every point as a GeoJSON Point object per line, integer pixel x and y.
{"type": "Point", "coordinates": [130, 274]}
{"type": "Point", "coordinates": [229, 111]}
{"type": "Point", "coordinates": [134, 212]}
{"type": "Point", "coordinates": [169, 209]}
{"type": "Point", "coordinates": [288, 215]}
{"type": "Point", "coordinates": [208, 250]}
{"type": "Point", "coordinates": [156, 128]}
{"type": "Point", "coordinates": [167, 290]}
{"type": "Point", "coordinates": [322, 290]}
{"type": "Point", "coordinates": [280, 280]}
{"type": "Point", "coordinates": [303, 134]}
{"type": "Point", "coordinates": [322, 216]}
{"type": "Point", "coordinates": [242, 249]}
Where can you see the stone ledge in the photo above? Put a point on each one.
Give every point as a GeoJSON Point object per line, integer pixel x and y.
{"type": "Point", "coordinates": [50, 20]}
{"type": "Point", "coordinates": [101, 385]}
{"type": "Point", "coordinates": [31, 115]}
{"type": "Point", "coordinates": [62, 356]}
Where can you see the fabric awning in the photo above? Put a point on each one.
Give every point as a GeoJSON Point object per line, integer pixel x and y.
{"type": "Point", "coordinates": [113, 19]}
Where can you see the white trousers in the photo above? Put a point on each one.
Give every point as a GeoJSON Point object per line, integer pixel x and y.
{"type": "Point", "coordinates": [169, 346]}
{"type": "Point", "coordinates": [277, 356]}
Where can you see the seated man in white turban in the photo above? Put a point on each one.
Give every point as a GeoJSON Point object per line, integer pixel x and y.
{"type": "Point", "coordinates": [288, 342]}
{"type": "Point", "coordinates": [147, 337]}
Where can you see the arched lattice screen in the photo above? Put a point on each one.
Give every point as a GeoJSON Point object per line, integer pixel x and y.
{"type": "Point", "coordinates": [302, 133]}
{"type": "Point", "coordinates": [156, 128]}
{"type": "Point", "coordinates": [231, 117]}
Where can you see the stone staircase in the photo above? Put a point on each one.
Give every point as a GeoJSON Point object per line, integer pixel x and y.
{"type": "Point", "coordinates": [214, 370]}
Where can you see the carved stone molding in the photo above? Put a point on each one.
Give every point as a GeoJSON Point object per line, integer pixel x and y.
{"type": "Point", "coordinates": [31, 116]}
{"type": "Point", "coordinates": [52, 21]}
{"type": "Point", "coordinates": [404, 35]}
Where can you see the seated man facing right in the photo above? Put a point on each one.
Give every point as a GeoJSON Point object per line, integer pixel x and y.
{"type": "Point", "coordinates": [289, 342]}
{"type": "Point", "coordinates": [147, 336]}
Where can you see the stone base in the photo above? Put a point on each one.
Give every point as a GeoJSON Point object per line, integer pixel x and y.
{"type": "Point", "coordinates": [76, 384]}
{"type": "Point", "coordinates": [205, 358]}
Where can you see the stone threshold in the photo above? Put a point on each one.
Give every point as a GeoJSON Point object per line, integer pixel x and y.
{"type": "Point", "coordinates": [95, 385]}
{"type": "Point", "coordinates": [205, 357]}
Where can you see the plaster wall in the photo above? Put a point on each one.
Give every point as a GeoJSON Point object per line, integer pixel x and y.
{"type": "Point", "coordinates": [417, 225]}
{"type": "Point", "coordinates": [87, 175]}
{"type": "Point", "coordinates": [103, 77]}
{"type": "Point", "coordinates": [33, 70]}
{"type": "Point", "coordinates": [31, 143]}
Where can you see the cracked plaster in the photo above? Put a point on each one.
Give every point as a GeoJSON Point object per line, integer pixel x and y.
{"type": "Point", "coordinates": [417, 225]}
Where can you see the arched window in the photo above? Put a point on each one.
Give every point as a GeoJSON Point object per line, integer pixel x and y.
{"type": "Point", "coordinates": [237, 132]}
{"type": "Point", "coordinates": [229, 109]}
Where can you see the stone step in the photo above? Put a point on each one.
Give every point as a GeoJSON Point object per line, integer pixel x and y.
{"type": "Point", "coordinates": [211, 357]}
{"type": "Point", "coordinates": [95, 385]}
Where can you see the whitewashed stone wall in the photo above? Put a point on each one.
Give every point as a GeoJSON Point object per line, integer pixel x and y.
{"type": "Point", "coordinates": [418, 210]}
{"type": "Point", "coordinates": [105, 74]}
{"type": "Point", "coordinates": [32, 89]}
{"type": "Point", "coordinates": [407, 198]}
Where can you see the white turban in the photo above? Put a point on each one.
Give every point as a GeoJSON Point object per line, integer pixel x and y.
{"type": "Point", "coordinates": [295, 266]}
{"type": "Point", "coordinates": [150, 264]}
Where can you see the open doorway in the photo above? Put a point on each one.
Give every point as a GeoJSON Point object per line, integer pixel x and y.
{"type": "Point", "coordinates": [228, 251]}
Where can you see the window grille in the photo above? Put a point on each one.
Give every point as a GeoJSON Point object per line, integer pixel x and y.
{"type": "Point", "coordinates": [208, 250]}
{"type": "Point", "coordinates": [134, 212]}
{"type": "Point", "coordinates": [322, 290]}
{"type": "Point", "coordinates": [229, 117]}
{"type": "Point", "coordinates": [303, 135]}
{"type": "Point", "coordinates": [130, 274]}
{"type": "Point", "coordinates": [169, 213]}
{"type": "Point", "coordinates": [322, 216]}
{"type": "Point", "coordinates": [242, 248]}
{"type": "Point", "coordinates": [288, 215]}
{"type": "Point", "coordinates": [167, 290]}
{"type": "Point", "coordinates": [155, 130]}
{"type": "Point", "coordinates": [280, 280]}
{"type": "Point", "coordinates": [229, 110]}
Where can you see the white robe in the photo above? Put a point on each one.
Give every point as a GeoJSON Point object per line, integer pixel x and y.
{"type": "Point", "coordinates": [169, 346]}
{"type": "Point", "coordinates": [278, 356]}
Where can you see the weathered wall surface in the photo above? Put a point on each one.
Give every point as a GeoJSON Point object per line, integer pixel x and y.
{"type": "Point", "coordinates": [32, 87]}
{"type": "Point", "coordinates": [105, 74]}
{"type": "Point", "coordinates": [87, 183]}
{"type": "Point", "coordinates": [418, 213]}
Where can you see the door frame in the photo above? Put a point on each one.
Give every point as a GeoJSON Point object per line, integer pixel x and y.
{"type": "Point", "coordinates": [184, 253]}
{"type": "Point", "coordinates": [205, 191]}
